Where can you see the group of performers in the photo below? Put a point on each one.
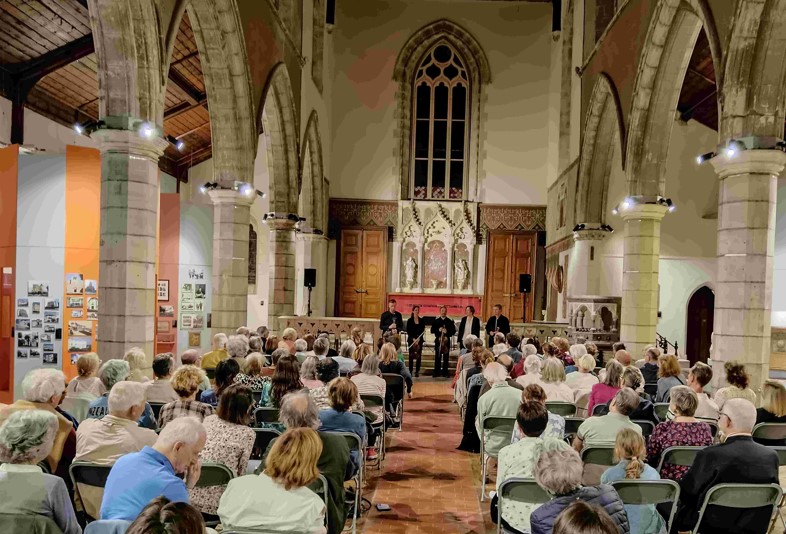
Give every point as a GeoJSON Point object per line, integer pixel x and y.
{"type": "Point", "coordinates": [443, 328]}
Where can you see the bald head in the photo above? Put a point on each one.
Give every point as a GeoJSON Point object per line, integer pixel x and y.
{"type": "Point", "coordinates": [740, 416]}
{"type": "Point", "coordinates": [190, 357]}
{"type": "Point", "coordinates": [623, 356]}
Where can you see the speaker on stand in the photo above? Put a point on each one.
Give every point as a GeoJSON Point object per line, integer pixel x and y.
{"type": "Point", "coordinates": [310, 282]}
{"type": "Point", "coordinates": [525, 288]}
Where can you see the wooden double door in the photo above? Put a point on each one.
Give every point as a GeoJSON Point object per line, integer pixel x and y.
{"type": "Point", "coordinates": [362, 274]}
{"type": "Point", "coordinates": [508, 255]}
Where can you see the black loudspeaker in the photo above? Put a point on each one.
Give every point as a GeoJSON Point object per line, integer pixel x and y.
{"type": "Point", "coordinates": [525, 283]}
{"type": "Point", "coordinates": [310, 278]}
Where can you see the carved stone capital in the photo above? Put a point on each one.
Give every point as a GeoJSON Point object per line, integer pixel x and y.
{"type": "Point", "coordinates": [230, 196]}
{"type": "Point", "coordinates": [117, 141]}
{"type": "Point", "coordinates": [769, 162]}
{"type": "Point", "coordinates": [591, 234]}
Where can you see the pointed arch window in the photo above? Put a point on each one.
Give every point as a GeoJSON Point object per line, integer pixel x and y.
{"type": "Point", "coordinates": [440, 126]}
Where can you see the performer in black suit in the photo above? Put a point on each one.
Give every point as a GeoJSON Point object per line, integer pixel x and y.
{"type": "Point", "coordinates": [474, 328]}
{"type": "Point", "coordinates": [443, 329]}
{"type": "Point", "coordinates": [391, 319]}
{"type": "Point", "coordinates": [415, 328]}
{"type": "Point", "coordinates": [497, 323]}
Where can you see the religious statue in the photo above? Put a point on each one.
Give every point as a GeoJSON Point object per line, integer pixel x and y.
{"type": "Point", "coordinates": [410, 267]}
{"type": "Point", "coordinates": [462, 273]}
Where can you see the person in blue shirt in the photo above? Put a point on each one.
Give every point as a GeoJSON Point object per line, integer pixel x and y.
{"type": "Point", "coordinates": [138, 478]}
{"type": "Point", "coordinates": [111, 373]}
{"type": "Point", "coordinates": [342, 394]}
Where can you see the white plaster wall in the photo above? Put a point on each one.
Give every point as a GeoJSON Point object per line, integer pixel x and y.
{"type": "Point", "coordinates": [40, 132]}
{"type": "Point", "coordinates": [779, 264]}
{"type": "Point", "coordinates": [258, 294]}
{"type": "Point", "coordinates": [514, 139]}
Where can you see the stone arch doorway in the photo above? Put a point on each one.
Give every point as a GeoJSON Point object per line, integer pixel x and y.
{"type": "Point", "coordinates": [698, 339]}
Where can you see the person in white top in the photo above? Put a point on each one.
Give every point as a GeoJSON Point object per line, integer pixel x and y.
{"type": "Point", "coordinates": [87, 384]}
{"type": "Point", "coordinates": [583, 378]}
{"type": "Point", "coordinates": [699, 376]}
{"type": "Point", "coordinates": [278, 499]}
{"type": "Point", "coordinates": [532, 368]}
{"type": "Point", "coordinates": [552, 378]}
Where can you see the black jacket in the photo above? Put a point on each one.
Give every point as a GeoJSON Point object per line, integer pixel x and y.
{"type": "Point", "coordinates": [474, 329]}
{"type": "Point", "coordinates": [414, 330]}
{"type": "Point", "coordinates": [738, 460]}
{"type": "Point", "coordinates": [500, 323]}
{"type": "Point", "coordinates": [388, 318]}
{"type": "Point", "coordinates": [449, 325]}
{"type": "Point", "coordinates": [605, 496]}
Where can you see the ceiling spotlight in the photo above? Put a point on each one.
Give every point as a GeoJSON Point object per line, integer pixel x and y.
{"type": "Point", "coordinates": [579, 227]}
{"type": "Point", "coordinates": [734, 147]}
{"type": "Point", "coordinates": [670, 205]}
{"type": "Point", "coordinates": [78, 128]}
{"type": "Point", "coordinates": [607, 228]}
{"type": "Point", "coordinates": [180, 146]}
{"type": "Point", "coordinates": [705, 157]}
{"type": "Point", "coordinates": [147, 130]}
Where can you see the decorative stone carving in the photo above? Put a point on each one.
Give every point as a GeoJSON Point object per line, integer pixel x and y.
{"type": "Point", "coordinates": [410, 268]}
{"type": "Point", "coordinates": [596, 319]}
{"type": "Point", "coordinates": [462, 273]}
{"type": "Point", "coordinates": [512, 218]}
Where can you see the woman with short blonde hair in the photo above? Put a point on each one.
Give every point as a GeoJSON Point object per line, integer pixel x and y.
{"type": "Point", "coordinates": [136, 362]}
{"type": "Point", "coordinates": [773, 408]}
{"type": "Point", "coordinates": [278, 499]}
{"type": "Point", "coordinates": [185, 381]}
{"type": "Point", "coordinates": [552, 380]}
{"type": "Point", "coordinates": [86, 384]}
{"type": "Point", "coordinates": [669, 376]}
{"type": "Point", "coordinates": [583, 378]}
{"type": "Point", "coordinates": [288, 337]}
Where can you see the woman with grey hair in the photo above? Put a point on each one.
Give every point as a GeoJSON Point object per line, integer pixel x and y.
{"type": "Point", "coordinates": [237, 348]}
{"type": "Point", "coordinates": [532, 365]}
{"type": "Point", "coordinates": [369, 382]}
{"type": "Point", "coordinates": [559, 473]}
{"type": "Point", "coordinates": [255, 344]}
{"type": "Point", "coordinates": [301, 346]}
{"type": "Point", "coordinates": [346, 363]}
{"type": "Point", "coordinates": [527, 349]}
{"type": "Point", "coordinates": [112, 372]}
{"type": "Point", "coordinates": [308, 373]}
{"type": "Point", "coordinates": [43, 389]}
{"type": "Point", "coordinates": [251, 375]}
{"type": "Point", "coordinates": [137, 362]}
{"type": "Point", "coordinates": [26, 438]}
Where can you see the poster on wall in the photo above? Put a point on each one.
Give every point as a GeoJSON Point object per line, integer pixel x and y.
{"type": "Point", "coordinates": [92, 304]}
{"type": "Point", "coordinates": [53, 304]}
{"type": "Point", "coordinates": [194, 339]}
{"type": "Point", "coordinates": [166, 311]}
{"type": "Point", "coordinates": [75, 302]}
{"type": "Point", "coordinates": [36, 307]}
{"type": "Point", "coordinates": [27, 339]}
{"type": "Point", "coordinates": [21, 312]}
{"type": "Point", "coordinates": [200, 290]}
{"type": "Point", "coordinates": [50, 358]}
{"type": "Point", "coordinates": [23, 325]}
{"type": "Point", "coordinates": [92, 316]}
{"type": "Point", "coordinates": [186, 321]}
{"type": "Point", "coordinates": [75, 284]}
{"type": "Point", "coordinates": [77, 314]}
{"type": "Point", "coordinates": [21, 303]}
{"type": "Point", "coordinates": [91, 287]}
{"type": "Point", "coordinates": [21, 353]}
{"type": "Point", "coordinates": [37, 289]}
{"type": "Point", "coordinates": [198, 322]}
{"type": "Point", "coordinates": [80, 328]}
{"type": "Point", "coordinates": [163, 290]}
{"type": "Point", "coordinates": [80, 344]}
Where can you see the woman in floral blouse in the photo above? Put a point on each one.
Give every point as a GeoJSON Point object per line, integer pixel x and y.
{"type": "Point", "coordinates": [229, 442]}
{"type": "Point", "coordinates": [682, 429]}
{"type": "Point", "coordinates": [252, 373]}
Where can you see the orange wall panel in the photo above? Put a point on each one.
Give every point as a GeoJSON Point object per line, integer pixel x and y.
{"type": "Point", "coordinates": [9, 172]}
{"type": "Point", "coordinates": [168, 267]}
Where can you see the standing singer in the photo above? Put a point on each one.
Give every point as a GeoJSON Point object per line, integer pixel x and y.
{"type": "Point", "coordinates": [443, 329]}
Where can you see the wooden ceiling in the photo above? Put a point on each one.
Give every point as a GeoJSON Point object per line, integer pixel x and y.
{"type": "Point", "coordinates": [54, 36]}
{"type": "Point", "coordinates": [698, 97]}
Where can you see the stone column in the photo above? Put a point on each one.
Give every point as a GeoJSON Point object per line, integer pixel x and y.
{"type": "Point", "coordinates": [584, 268]}
{"type": "Point", "coordinates": [315, 256]}
{"type": "Point", "coordinates": [129, 227]}
{"type": "Point", "coordinates": [281, 299]}
{"type": "Point", "coordinates": [746, 241]}
{"type": "Point", "coordinates": [640, 291]}
{"type": "Point", "coordinates": [231, 218]}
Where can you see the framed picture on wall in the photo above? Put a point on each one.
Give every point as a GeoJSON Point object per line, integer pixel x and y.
{"type": "Point", "coordinates": [194, 339]}
{"type": "Point", "coordinates": [186, 321]}
{"type": "Point", "coordinates": [91, 287]}
{"type": "Point", "coordinates": [163, 290]}
{"type": "Point", "coordinates": [75, 284]}
{"type": "Point", "coordinates": [162, 326]}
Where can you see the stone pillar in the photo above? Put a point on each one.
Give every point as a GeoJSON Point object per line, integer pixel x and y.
{"type": "Point", "coordinates": [584, 268]}
{"type": "Point", "coordinates": [315, 256]}
{"type": "Point", "coordinates": [746, 241]}
{"type": "Point", "coordinates": [231, 218]}
{"type": "Point", "coordinates": [640, 291]}
{"type": "Point", "coordinates": [129, 226]}
{"type": "Point", "coordinates": [281, 299]}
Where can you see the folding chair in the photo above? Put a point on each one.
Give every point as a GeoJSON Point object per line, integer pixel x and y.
{"type": "Point", "coordinates": [492, 423]}
{"type": "Point", "coordinates": [649, 492]}
{"type": "Point", "coordinates": [565, 409]}
{"type": "Point", "coordinates": [266, 415]}
{"type": "Point", "coordinates": [256, 394]}
{"type": "Point", "coordinates": [214, 474]}
{"type": "Point", "coordinates": [740, 496]}
{"type": "Point", "coordinates": [661, 409]}
{"type": "Point", "coordinates": [713, 428]}
{"type": "Point", "coordinates": [89, 474]}
{"type": "Point", "coordinates": [647, 428]}
{"type": "Point", "coordinates": [355, 443]}
{"type": "Point", "coordinates": [680, 455]}
{"type": "Point", "coordinates": [320, 487]}
{"type": "Point", "coordinates": [572, 425]}
{"type": "Point", "coordinates": [524, 490]}
{"type": "Point", "coordinates": [598, 455]}
{"type": "Point", "coordinates": [600, 409]}
{"type": "Point", "coordinates": [263, 439]}
{"type": "Point", "coordinates": [77, 407]}
{"type": "Point", "coordinates": [769, 432]}
{"type": "Point", "coordinates": [781, 451]}
{"type": "Point", "coordinates": [395, 384]}
{"type": "Point", "coordinates": [376, 401]}
{"type": "Point", "coordinates": [156, 407]}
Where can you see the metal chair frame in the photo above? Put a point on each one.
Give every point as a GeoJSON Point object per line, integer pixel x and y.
{"type": "Point", "coordinates": [596, 407]}
{"type": "Point", "coordinates": [354, 442]}
{"type": "Point", "coordinates": [598, 455]}
{"type": "Point", "coordinates": [265, 415]}
{"type": "Point", "coordinates": [680, 454]}
{"type": "Point", "coordinates": [94, 475]}
{"type": "Point", "coordinates": [731, 501]}
{"type": "Point", "coordinates": [508, 489]}
{"type": "Point", "coordinates": [647, 427]}
{"type": "Point", "coordinates": [374, 401]}
{"type": "Point", "coordinates": [565, 409]}
{"type": "Point", "coordinates": [396, 381]}
{"type": "Point", "coordinates": [322, 491]}
{"type": "Point", "coordinates": [769, 431]}
{"type": "Point", "coordinates": [258, 442]}
{"type": "Point", "coordinates": [498, 421]}
{"type": "Point", "coordinates": [630, 493]}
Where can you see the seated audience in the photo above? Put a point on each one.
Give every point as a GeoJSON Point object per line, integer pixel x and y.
{"type": "Point", "coordinates": [466, 360]}
{"type": "Point", "coordinates": [583, 518]}
{"type": "Point", "coordinates": [518, 460]}
{"type": "Point", "coordinates": [737, 460]}
{"type": "Point", "coordinates": [592, 349]}
{"type": "Point", "coordinates": [552, 376]}
{"type": "Point", "coordinates": [527, 350]}
{"type": "Point", "coordinates": [42, 389]}
{"type": "Point", "coordinates": [226, 371]}
{"type": "Point", "coordinates": [309, 339]}
{"type": "Point", "coordinates": [86, 384]}
{"type": "Point", "coordinates": [475, 375]}
{"type": "Point", "coordinates": [271, 345]}
{"type": "Point", "coordinates": [27, 438]}
{"type": "Point", "coordinates": [342, 395]}
{"type": "Point", "coordinates": [608, 387]}
{"type": "Point", "coordinates": [602, 430]}
{"type": "Point", "coordinates": [193, 357]}
{"type": "Point", "coordinates": [389, 363]}
{"type": "Point", "coordinates": [288, 337]}
{"type": "Point", "coordinates": [110, 373]}
{"type": "Point", "coordinates": [532, 367]}
{"type": "Point", "coordinates": [139, 477]}
{"type": "Point", "coordinates": [669, 376]}
{"type": "Point", "coordinates": [137, 363]}
{"type": "Point", "coordinates": [286, 379]}
{"type": "Point", "coordinates": [243, 331]}
{"type": "Point", "coordinates": [344, 359]}
{"type": "Point", "coordinates": [218, 354]}
{"type": "Point", "coordinates": [576, 351]}
{"type": "Point", "coordinates": [160, 390]}
{"type": "Point", "coordinates": [359, 354]}
{"type": "Point", "coordinates": [298, 410]}
{"type": "Point", "coordinates": [300, 350]}
{"type": "Point", "coordinates": [500, 344]}
{"type": "Point", "coordinates": [650, 367]}
{"type": "Point", "coordinates": [583, 378]}
{"type": "Point", "coordinates": [185, 382]}
{"type": "Point", "coordinates": [103, 441]}
{"type": "Point", "coordinates": [369, 382]}
{"type": "Point", "coordinates": [559, 473]}
{"type": "Point", "coordinates": [501, 401]}
{"type": "Point", "coordinates": [563, 352]}
{"type": "Point", "coordinates": [255, 344]}
{"type": "Point", "coordinates": [773, 409]}
{"type": "Point", "coordinates": [251, 374]}
{"type": "Point", "coordinates": [163, 516]}
{"type": "Point", "coordinates": [237, 349]}
{"type": "Point", "coordinates": [507, 362]}
{"type": "Point", "coordinates": [321, 347]}
{"type": "Point", "coordinates": [513, 340]}
{"type": "Point", "coordinates": [738, 380]}
{"type": "Point", "coordinates": [631, 453]}
{"type": "Point", "coordinates": [699, 376]}
{"type": "Point", "coordinates": [279, 499]}
{"type": "Point", "coordinates": [681, 429]}
{"type": "Point", "coordinates": [555, 428]}
{"type": "Point", "coordinates": [308, 373]}
{"type": "Point", "coordinates": [229, 442]}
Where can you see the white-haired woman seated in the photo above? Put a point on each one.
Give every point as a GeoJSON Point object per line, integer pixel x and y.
{"type": "Point", "coordinates": [552, 377]}
{"type": "Point", "coordinates": [583, 378]}
{"type": "Point", "coordinates": [532, 365]}
{"type": "Point", "coordinates": [301, 346]}
{"type": "Point", "coordinates": [26, 438]}
{"type": "Point", "coordinates": [137, 363]}
{"type": "Point", "coordinates": [288, 337]}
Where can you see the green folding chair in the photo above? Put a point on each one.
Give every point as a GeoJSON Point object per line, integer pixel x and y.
{"type": "Point", "coordinates": [214, 474]}
{"type": "Point", "coordinates": [649, 492]}
{"type": "Point", "coordinates": [501, 424]}
{"type": "Point", "coordinates": [661, 409]}
{"type": "Point", "coordinates": [679, 455]}
{"type": "Point", "coordinates": [565, 409]}
{"type": "Point", "coordinates": [89, 474]}
{"type": "Point", "coordinates": [355, 443]}
{"type": "Point", "coordinates": [647, 428]}
{"type": "Point", "coordinates": [266, 415]}
{"type": "Point", "coordinates": [263, 438]}
{"type": "Point", "coordinates": [572, 425]}
{"type": "Point", "coordinates": [524, 490]}
{"type": "Point", "coordinates": [377, 401]}
{"type": "Point", "coordinates": [320, 487]}
{"type": "Point", "coordinates": [598, 455]}
{"type": "Point", "coordinates": [740, 496]}
{"type": "Point", "coordinates": [769, 432]}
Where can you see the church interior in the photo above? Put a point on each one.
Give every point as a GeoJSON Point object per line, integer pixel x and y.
{"type": "Point", "coordinates": [599, 171]}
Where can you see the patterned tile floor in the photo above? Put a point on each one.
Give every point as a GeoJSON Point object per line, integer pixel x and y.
{"type": "Point", "coordinates": [429, 485]}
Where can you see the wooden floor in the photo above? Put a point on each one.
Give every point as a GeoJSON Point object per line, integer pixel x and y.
{"type": "Point", "coordinates": [429, 485]}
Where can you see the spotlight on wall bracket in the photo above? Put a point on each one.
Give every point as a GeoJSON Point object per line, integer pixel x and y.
{"type": "Point", "coordinates": [88, 128]}
{"type": "Point", "coordinates": [179, 144]}
{"type": "Point", "coordinates": [734, 147]}
{"type": "Point", "coordinates": [607, 228]}
{"type": "Point", "coordinates": [208, 186]}
{"type": "Point", "coordinates": [705, 157]}
{"type": "Point", "coordinates": [579, 227]}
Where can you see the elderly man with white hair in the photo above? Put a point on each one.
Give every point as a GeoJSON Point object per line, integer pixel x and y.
{"type": "Point", "coordinates": [111, 373]}
{"type": "Point", "coordinates": [501, 400]}
{"type": "Point", "coordinates": [26, 438]}
{"type": "Point", "coordinates": [138, 478]}
{"type": "Point", "coordinates": [739, 460]}
{"type": "Point", "coordinates": [218, 354]}
{"type": "Point", "coordinates": [42, 389]}
{"type": "Point", "coordinates": [103, 441]}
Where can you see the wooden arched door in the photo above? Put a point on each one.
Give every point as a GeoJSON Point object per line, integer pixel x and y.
{"type": "Point", "coordinates": [701, 311]}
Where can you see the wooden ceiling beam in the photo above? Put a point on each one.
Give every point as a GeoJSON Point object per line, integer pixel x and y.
{"type": "Point", "coordinates": [193, 95]}
{"type": "Point", "coordinates": [183, 107]}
